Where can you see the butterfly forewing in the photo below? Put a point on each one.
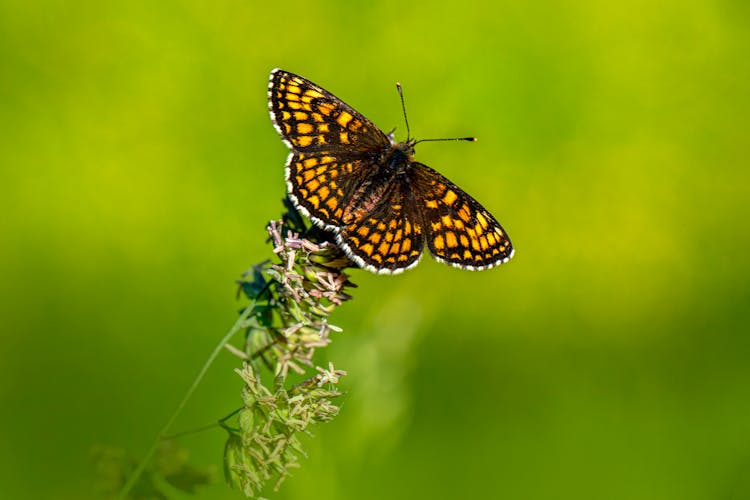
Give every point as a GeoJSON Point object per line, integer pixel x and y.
{"type": "Point", "coordinates": [460, 231]}
{"type": "Point", "coordinates": [310, 118]}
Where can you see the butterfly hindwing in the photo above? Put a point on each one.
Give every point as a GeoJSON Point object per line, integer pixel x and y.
{"type": "Point", "coordinates": [381, 233]}
{"type": "Point", "coordinates": [459, 230]}
{"type": "Point", "coordinates": [320, 185]}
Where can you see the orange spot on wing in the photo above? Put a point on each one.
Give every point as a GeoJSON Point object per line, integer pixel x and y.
{"type": "Point", "coordinates": [325, 108]}
{"type": "Point", "coordinates": [304, 128]}
{"type": "Point", "coordinates": [344, 118]}
{"type": "Point", "coordinates": [464, 213]}
{"type": "Point", "coordinates": [482, 220]}
{"type": "Point", "coordinates": [450, 198]}
{"type": "Point", "coordinates": [450, 239]}
{"type": "Point", "coordinates": [438, 242]}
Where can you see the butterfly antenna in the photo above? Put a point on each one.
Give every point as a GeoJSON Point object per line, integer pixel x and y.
{"type": "Point", "coordinates": [470, 139]}
{"type": "Point", "coordinates": [408, 133]}
{"type": "Point", "coordinates": [403, 108]}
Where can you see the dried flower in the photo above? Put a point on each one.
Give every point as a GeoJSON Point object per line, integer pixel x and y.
{"type": "Point", "coordinates": [291, 300]}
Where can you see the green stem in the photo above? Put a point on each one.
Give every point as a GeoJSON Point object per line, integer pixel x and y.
{"type": "Point", "coordinates": [146, 459]}
{"type": "Point", "coordinates": [211, 425]}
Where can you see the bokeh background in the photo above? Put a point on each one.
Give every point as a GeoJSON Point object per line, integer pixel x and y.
{"type": "Point", "coordinates": [609, 359]}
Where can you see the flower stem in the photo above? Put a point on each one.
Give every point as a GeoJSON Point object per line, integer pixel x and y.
{"type": "Point", "coordinates": [238, 325]}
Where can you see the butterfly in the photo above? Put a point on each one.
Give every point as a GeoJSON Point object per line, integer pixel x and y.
{"type": "Point", "coordinates": [350, 178]}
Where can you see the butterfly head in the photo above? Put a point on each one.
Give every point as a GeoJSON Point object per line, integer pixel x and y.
{"type": "Point", "coordinates": [399, 155]}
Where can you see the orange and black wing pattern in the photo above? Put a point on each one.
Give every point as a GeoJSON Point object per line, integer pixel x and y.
{"type": "Point", "coordinates": [331, 146]}
{"type": "Point", "coordinates": [459, 231]}
{"type": "Point", "coordinates": [350, 178]}
{"type": "Point", "coordinates": [320, 184]}
{"type": "Point", "coordinates": [381, 233]}
{"type": "Point", "coordinates": [311, 119]}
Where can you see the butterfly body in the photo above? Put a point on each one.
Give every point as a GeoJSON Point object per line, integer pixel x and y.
{"type": "Point", "coordinates": [399, 156]}
{"type": "Point", "coordinates": [350, 178]}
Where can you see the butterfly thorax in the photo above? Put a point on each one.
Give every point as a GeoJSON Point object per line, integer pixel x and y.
{"type": "Point", "coordinates": [398, 156]}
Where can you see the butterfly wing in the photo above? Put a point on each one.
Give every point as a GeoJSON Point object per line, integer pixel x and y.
{"type": "Point", "coordinates": [381, 232]}
{"type": "Point", "coordinates": [332, 146]}
{"type": "Point", "coordinates": [310, 119]}
{"type": "Point", "coordinates": [320, 183]}
{"type": "Point", "coordinates": [459, 230]}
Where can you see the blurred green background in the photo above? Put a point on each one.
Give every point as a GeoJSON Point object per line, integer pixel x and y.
{"type": "Point", "coordinates": [609, 359]}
